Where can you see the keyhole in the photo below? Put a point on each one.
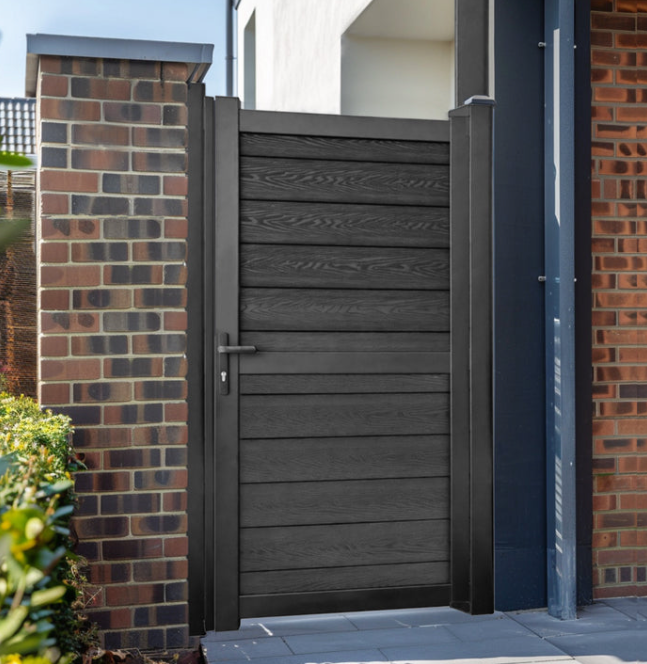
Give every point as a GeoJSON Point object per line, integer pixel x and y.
{"type": "Point", "coordinates": [223, 376]}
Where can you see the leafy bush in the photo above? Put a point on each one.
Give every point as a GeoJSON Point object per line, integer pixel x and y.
{"type": "Point", "coordinates": [39, 583]}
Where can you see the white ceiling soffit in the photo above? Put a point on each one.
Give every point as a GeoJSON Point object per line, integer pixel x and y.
{"type": "Point", "coordinates": [406, 19]}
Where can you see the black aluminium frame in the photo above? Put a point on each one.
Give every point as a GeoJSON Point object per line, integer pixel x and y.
{"type": "Point", "coordinates": [200, 284]}
{"type": "Point", "coordinates": [225, 310]}
{"type": "Point", "coordinates": [472, 511]}
{"type": "Point", "coordinates": [472, 44]}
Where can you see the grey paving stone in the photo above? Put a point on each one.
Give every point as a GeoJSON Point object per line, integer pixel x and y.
{"type": "Point", "coordinates": [293, 625]}
{"type": "Point", "coordinates": [224, 651]}
{"type": "Point", "coordinates": [368, 639]}
{"type": "Point", "coordinates": [633, 607]}
{"type": "Point", "coordinates": [599, 659]}
{"type": "Point", "coordinates": [501, 628]}
{"type": "Point", "coordinates": [628, 646]}
{"type": "Point", "coordinates": [590, 619]}
{"type": "Point", "coordinates": [354, 656]}
{"type": "Point", "coordinates": [259, 628]}
{"type": "Point", "coordinates": [248, 630]}
{"type": "Point", "coordinates": [508, 651]}
{"type": "Point", "coordinates": [413, 618]}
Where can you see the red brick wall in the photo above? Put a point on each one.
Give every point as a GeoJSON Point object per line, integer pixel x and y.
{"type": "Point", "coordinates": [619, 163]}
{"type": "Point", "coordinates": [112, 249]}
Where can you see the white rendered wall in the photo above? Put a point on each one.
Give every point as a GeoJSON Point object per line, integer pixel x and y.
{"type": "Point", "coordinates": [397, 77]}
{"type": "Point", "coordinates": [298, 52]}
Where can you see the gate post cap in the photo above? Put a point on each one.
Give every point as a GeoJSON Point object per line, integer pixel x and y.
{"type": "Point", "coordinates": [198, 56]}
{"type": "Point", "coordinates": [482, 100]}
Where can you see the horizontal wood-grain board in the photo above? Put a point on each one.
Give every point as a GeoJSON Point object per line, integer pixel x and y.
{"type": "Point", "coordinates": [351, 149]}
{"type": "Point", "coordinates": [361, 501]}
{"type": "Point", "coordinates": [343, 363]}
{"type": "Point", "coordinates": [300, 416]}
{"type": "Point", "coordinates": [346, 126]}
{"type": "Point", "coordinates": [271, 266]}
{"type": "Point", "coordinates": [401, 597]}
{"type": "Point", "coordinates": [302, 309]}
{"type": "Point", "coordinates": [343, 545]}
{"type": "Point", "coordinates": [313, 180]}
{"type": "Point", "coordinates": [271, 222]}
{"type": "Point", "coordinates": [344, 578]}
{"type": "Point", "coordinates": [326, 459]}
{"type": "Point", "coordinates": [342, 383]}
{"type": "Point", "coordinates": [369, 342]}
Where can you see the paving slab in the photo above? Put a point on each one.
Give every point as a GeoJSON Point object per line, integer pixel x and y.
{"type": "Point", "coordinates": [367, 639]}
{"type": "Point", "coordinates": [608, 632]}
{"type": "Point", "coordinates": [502, 627]}
{"type": "Point", "coordinates": [258, 628]}
{"type": "Point", "coordinates": [355, 656]}
{"type": "Point", "coordinates": [507, 651]}
{"type": "Point", "coordinates": [414, 618]}
{"type": "Point", "coordinates": [634, 607]}
{"type": "Point", "coordinates": [248, 630]}
{"type": "Point", "coordinates": [295, 625]}
{"type": "Point", "coordinates": [590, 619]}
{"type": "Point", "coordinates": [243, 649]}
{"type": "Point", "coordinates": [604, 647]}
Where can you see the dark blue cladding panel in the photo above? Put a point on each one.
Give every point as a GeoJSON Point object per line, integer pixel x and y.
{"type": "Point", "coordinates": [520, 480]}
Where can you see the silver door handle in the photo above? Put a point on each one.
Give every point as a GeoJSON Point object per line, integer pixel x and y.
{"type": "Point", "coordinates": [243, 350]}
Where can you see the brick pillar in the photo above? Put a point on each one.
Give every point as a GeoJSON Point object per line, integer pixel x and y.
{"type": "Point", "coordinates": [619, 151]}
{"type": "Point", "coordinates": [112, 250]}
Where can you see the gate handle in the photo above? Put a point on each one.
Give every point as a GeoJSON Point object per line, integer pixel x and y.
{"type": "Point", "coordinates": [223, 353]}
{"type": "Point", "coordinates": [243, 350]}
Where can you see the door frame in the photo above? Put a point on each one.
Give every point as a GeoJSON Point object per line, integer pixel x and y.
{"type": "Point", "coordinates": [211, 558]}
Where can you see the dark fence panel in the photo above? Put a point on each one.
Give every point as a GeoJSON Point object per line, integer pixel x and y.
{"type": "Point", "coordinates": [18, 322]}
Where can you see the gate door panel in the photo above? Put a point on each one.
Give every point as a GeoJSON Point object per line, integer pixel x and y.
{"type": "Point", "coordinates": [332, 364]}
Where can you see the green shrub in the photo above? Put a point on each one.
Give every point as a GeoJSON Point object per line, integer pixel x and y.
{"type": "Point", "coordinates": [39, 581]}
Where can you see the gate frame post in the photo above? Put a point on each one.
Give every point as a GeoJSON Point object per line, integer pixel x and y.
{"type": "Point", "coordinates": [472, 520]}
{"type": "Point", "coordinates": [226, 320]}
{"type": "Point", "coordinates": [199, 299]}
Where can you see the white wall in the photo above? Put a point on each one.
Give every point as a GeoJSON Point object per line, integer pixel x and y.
{"type": "Point", "coordinates": [397, 56]}
{"type": "Point", "coordinates": [298, 52]}
{"type": "Point", "coordinates": [397, 77]}
{"type": "Point", "coordinates": [249, 62]}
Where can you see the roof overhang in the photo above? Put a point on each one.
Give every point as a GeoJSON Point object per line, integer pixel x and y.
{"type": "Point", "coordinates": [197, 56]}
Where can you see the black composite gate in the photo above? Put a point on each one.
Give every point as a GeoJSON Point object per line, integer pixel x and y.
{"type": "Point", "coordinates": [336, 483]}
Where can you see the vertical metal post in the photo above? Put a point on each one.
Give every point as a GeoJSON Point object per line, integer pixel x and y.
{"type": "Point", "coordinates": [481, 358]}
{"type": "Point", "coordinates": [460, 369]}
{"type": "Point", "coordinates": [208, 277]}
{"type": "Point", "coordinates": [227, 112]}
{"type": "Point", "coordinates": [195, 344]}
{"type": "Point", "coordinates": [472, 335]}
{"type": "Point", "coordinates": [229, 57]}
{"type": "Point", "coordinates": [472, 44]}
{"type": "Point", "coordinates": [560, 308]}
